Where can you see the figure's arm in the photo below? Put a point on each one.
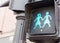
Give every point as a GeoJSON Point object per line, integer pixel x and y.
{"type": "Point", "coordinates": [35, 19]}
{"type": "Point", "coordinates": [44, 18]}
{"type": "Point", "coordinates": [41, 18]}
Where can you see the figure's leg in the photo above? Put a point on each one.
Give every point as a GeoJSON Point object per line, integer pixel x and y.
{"type": "Point", "coordinates": [35, 26]}
{"type": "Point", "coordinates": [40, 25]}
{"type": "Point", "coordinates": [44, 25]}
{"type": "Point", "coordinates": [49, 24]}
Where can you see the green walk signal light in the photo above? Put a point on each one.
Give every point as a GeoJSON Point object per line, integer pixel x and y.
{"type": "Point", "coordinates": [45, 21]}
{"type": "Point", "coordinates": [43, 18]}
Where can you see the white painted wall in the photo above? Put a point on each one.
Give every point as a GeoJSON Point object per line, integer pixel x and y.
{"type": "Point", "coordinates": [6, 40]}
{"type": "Point", "coordinates": [7, 24]}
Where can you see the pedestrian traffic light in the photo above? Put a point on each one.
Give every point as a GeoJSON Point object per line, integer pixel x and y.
{"type": "Point", "coordinates": [43, 18]}
{"type": "Point", "coordinates": [43, 22]}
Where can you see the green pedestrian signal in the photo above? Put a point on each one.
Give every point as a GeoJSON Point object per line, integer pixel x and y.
{"type": "Point", "coordinates": [43, 18]}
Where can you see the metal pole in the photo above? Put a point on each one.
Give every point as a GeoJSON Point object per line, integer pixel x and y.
{"type": "Point", "coordinates": [20, 34]}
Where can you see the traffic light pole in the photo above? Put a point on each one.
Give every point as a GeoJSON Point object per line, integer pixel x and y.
{"type": "Point", "coordinates": [20, 29]}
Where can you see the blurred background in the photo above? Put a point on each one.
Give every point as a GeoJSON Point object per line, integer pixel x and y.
{"type": "Point", "coordinates": [7, 23]}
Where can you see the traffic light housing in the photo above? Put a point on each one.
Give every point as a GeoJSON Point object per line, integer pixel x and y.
{"type": "Point", "coordinates": [18, 5]}
{"type": "Point", "coordinates": [43, 19]}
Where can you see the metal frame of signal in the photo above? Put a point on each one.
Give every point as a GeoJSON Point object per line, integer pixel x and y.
{"type": "Point", "coordinates": [57, 23]}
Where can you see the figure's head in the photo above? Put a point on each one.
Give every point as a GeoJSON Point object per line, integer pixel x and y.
{"type": "Point", "coordinates": [47, 13]}
{"type": "Point", "coordinates": [39, 14]}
